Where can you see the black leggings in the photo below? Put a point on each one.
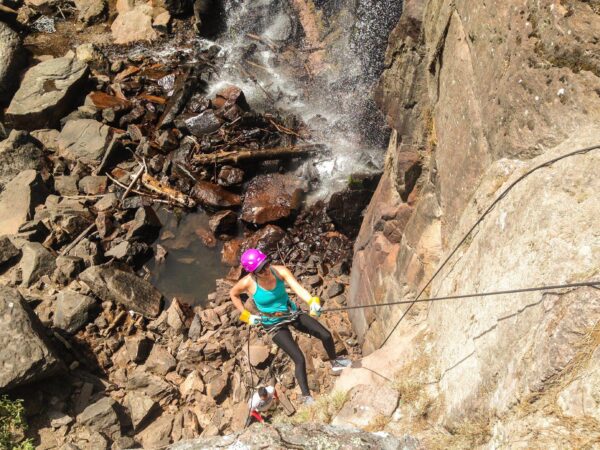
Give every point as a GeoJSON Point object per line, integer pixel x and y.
{"type": "Point", "coordinates": [283, 338]}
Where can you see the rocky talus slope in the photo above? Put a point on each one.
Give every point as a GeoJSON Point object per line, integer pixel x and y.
{"type": "Point", "coordinates": [477, 95]}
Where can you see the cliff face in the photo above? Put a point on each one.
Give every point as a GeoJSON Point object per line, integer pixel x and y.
{"type": "Point", "coordinates": [477, 95]}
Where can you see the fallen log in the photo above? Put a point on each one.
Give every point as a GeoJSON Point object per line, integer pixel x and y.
{"type": "Point", "coordinates": [154, 185]}
{"type": "Point", "coordinates": [236, 156]}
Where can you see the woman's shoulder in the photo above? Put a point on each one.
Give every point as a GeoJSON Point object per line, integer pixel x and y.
{"type": "Point", "coordinates": [280, 270]}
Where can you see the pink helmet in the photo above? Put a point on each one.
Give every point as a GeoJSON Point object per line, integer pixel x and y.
{"type": "Point", "coordinates": [252, 258]}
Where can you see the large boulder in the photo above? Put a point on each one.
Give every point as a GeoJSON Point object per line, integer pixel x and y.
{"type": "Point", "coordinates": [73, 310]}
{"type": "Point", "coordinates": [271, 197]}
{"type": "Point", "coordinates": [19, 152]}
{"type": "Point", "coordinates": [47, 93]}
{"type": "Point", "coordinates": [84, 139]}
{"type": "Point", "coordinates": [24, 353]}
{"type": "Point", "coordinates": [111, 283]}
{"type": "Point", "coordinates": [10, 60]}
{"type": "Point", "coordinates": [102, 417]}
{"type": "Point", "coordinates": [18, 200]}
{"type": "Point", "coordinates": [36, 262]}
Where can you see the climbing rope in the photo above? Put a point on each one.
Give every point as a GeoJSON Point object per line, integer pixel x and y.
{"type": "Point", "coordinates": [476, 294]}
{"type": "Point", "coordinates": [485, 213]}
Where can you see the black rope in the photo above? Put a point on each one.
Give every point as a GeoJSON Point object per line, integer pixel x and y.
{"type": "Point", "coordinates": [477, 294]}
{"type": "Point", "coordinates": [486, 212]}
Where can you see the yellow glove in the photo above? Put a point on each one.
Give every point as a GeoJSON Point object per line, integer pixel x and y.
{"type": "Point", "coordinates": [250, 319]}
{"type": "Point", "coordinates": [315, 306]}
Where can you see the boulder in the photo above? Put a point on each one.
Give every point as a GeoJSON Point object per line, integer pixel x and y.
{"type": "Point", "coordinates": [93, 184]}
{"type": "Point", "coordinates": [66, 185]}
{"type": "Point", "coordinates": [160, 361]}
{"type": "Point", "coordinates": [84, 139]}
{"type": "Point", "coordinates": [85, 438]}
{"type": "Point", "coordinates": [8, 251]}
{"type": "Point", "coordinates": [141, 408]}
{"type": "Point", "coordinates": [271, 197]}
{"type": "Point", "coordinates": [91, 11]}
{"type": "Point", "coordinates": [18, 200]}
{"type": "Point", "coordinates": [89, 251]}
{"type": "Point", "coordinates": [265, 239]}
{"type": "Point", "coordinates": [230, 96]}
{"type": "Point", "coordinates": [111, 283]}
{"type": "Point", "coordinates": [19, 152]}
{"type": "Point", "coordinates": [10, 60]}
{"type": "Point", "coordinates": [36, 262]}
{"type": "Point", "coordinates": [138, 347]}
{"type": "Point", "coordinates": [102, 417]}
{"type": "Point", "coordinates": [218, 387]}
{"type": "Point", "coordinates": [67, 269]}
{"type": "Point", "coordinates": [153, 386]}
{"type": "Point", "coordinates": [145, 225]}
{"type": "Point", "coordinates": [214, 196]}
{"type": "Point", "coordinates": [73, 310]}
{"type": "Point", "coordinates": [223, 222]}
{"type": "Point", "coordinates": [158, 433]}
{"type": "Point", "coordinates": [195, 330]}
{"type": "Point", "coordinates": [24, 354]}
{"type": "Point", "coordinates": [33, 231]}
{"type": "Point", "coordinates": [365, 403]}
{"type": "Point", "coordinates": [192, 384]}
{"type": "Point", "coordinates": [230, 254]}
{"type": "Point", "coordinates": [134, 25]}
{"type": "Point", "coordinates": [48, 138]}
{"type": "Point", "coordinates": [132, 253]}
{"type": "Point", "coordinates": [259, 353]}
{"type": "Point", "coordinates": [47, 93]}
{"type": "Point", "coordinates": [230, 176]}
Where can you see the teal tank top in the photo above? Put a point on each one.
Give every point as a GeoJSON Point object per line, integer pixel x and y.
{"type": "Point", "coordinates": [272, 301]}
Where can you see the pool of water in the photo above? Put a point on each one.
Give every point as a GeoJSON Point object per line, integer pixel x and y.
{"type": "Point", "coordinates": [190, 268]}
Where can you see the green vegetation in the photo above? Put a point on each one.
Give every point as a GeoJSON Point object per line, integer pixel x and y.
{"type": "Point", "coordinates": [13, 426]}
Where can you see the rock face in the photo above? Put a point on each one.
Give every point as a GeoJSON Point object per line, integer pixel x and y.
{"type": "Point", "coordinates": [467, 122]}
{"type": "Point", "coordinates": [10, 60]}
{"type": "Point", "coordinates": [24, 353]}
{"type": "Point", "coordinates": [19, 152]}
{"type": "Point", "coordinates": [47, 93]}
{"type": "Point", "coordinates": [111, 283]}
{"type": "Point", "coordinates": [365, 403]}
{"type": "Point", "coordinates": [270, 198]}
{"type": "Point", "coordinates": [306, 436]}
{"type": "Point", "coordinates": [18, 200]}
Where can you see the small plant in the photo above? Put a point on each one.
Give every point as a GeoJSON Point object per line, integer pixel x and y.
{"type": "Point", "coordinates": [378, 423]}
{"type": "Point", "coordinates": [13, 425]}
{"type": "Point", "coordinates": [323, 411]}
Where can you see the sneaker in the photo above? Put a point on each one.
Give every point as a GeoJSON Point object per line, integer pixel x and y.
{"type": "Point", "coordinates": [339, 364]}
{"type": "Point", "coordinates": [308, 400]}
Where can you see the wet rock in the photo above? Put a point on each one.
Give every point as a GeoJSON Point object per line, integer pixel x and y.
{"type": "Point", "coordinates": [19, 152]}
{"type": "Point", "coordinates": [84, 139]}
{"type": "Point", "coordinates": [73, 310]}
{"type": "Point", "coordinates": [160, 361]}
{"type": "Point", "coordinates": [230, 96]}
{"type": "Point", "coordinates": [111, 283]}
{"type": "Point", "coordinates": [24, 354]}
{"type": "Point", "coordinates": [141, 408]}
{"type": "Point", "coordinates": [223, 222]}
{"type": "Point", "coordinates": [158, 433]}
{"type": "Point", "coordinates": [365, 403]}
{"type": "Point", "coordinates": [230, 255]}
{"type": "Point", "coordinates": [66, 185]}
{"type": "Point", "coordinates": [207, 238]}
{"type": "Point", "coordinates": [67, 269]}
{"type": "Point", "coordinates": [132, 253]}
{"type": "Point", "coordinates": [145, 225]}
{"type": "Point", "coordinates": [271, 197]}
{"type": "Point", "coordinates": [265, 239]}
{"type": "Point", "coordinates": [203, 123]}
{"type": "Point", "coordinates": [93, 185]}
{"type": "Point", "coordinates": [47, 92]}
{"type": "Point", "coordinates": [102, 417]}
{"type": "Point", "coordinates": [230, 176]}
{"type": "Point", "coordinates": [91, 11]}
{"type": "Point", "coordinates": [10, 60]}
{"type": "Point", "coordinates": [134, 25]}
{"type": "Point", "coordinates": [36, 262]}
{"type": "Point", "coordinates": [214, 196]}
{"type": "Point", "coordinates": [8, 252]}
{"type": "Point", "coordinates": [138, 348]}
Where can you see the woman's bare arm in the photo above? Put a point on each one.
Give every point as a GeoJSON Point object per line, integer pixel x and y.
{"type": "Point", "coordinates": [291, 281]}
{"type": "Point", "coordinates": [241, 287]}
